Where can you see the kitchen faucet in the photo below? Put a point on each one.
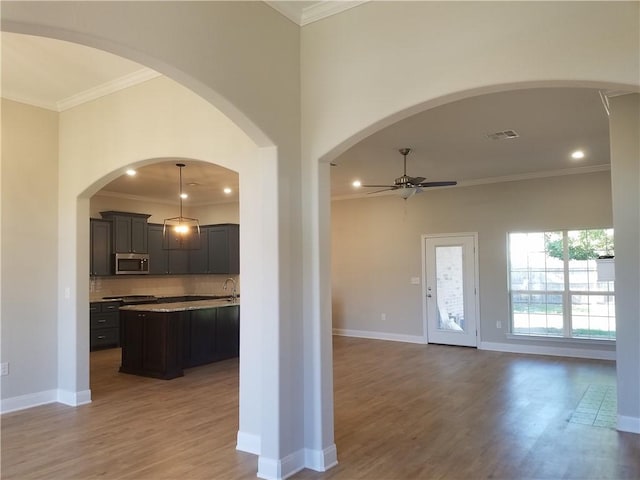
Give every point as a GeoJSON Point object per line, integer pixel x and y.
{"type": "Point", "coordinates": [233, 291]}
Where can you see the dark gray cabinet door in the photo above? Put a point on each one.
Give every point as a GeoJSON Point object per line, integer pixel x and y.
{"type": "Point", "coordinates": [100, 259]}
{"type": "Point", "coordinates": [129, 231]}
{"type": "Point", "coordinates": [121, 234]}
{"type": "Point", "coordinates": [227, 333]}
{"type": "Point", "coordinates": [139, 234]}
{"type": "Point", "coordinates": [224, 249]}
{"type": "Point", "coordinates": [199, 253]}
{"type": "Point", "coordinates": [158, 256]}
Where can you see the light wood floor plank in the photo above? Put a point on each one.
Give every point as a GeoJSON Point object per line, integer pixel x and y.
{"type": "Point", "coordinates": [402, 411]}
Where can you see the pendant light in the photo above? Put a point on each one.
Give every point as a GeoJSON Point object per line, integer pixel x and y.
{"type": "Point", "coordinates": [181, 233]}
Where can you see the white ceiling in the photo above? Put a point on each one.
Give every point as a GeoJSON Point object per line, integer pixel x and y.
{"type": "Point", "coordinates": [448, 142]}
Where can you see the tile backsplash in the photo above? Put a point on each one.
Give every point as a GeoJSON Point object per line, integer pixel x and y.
{"type": "Point", "coordinates": [157, 285]}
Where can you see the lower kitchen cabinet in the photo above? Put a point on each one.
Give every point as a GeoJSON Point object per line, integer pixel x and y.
{"type": "Point", "coordinates": [227, 333]}
{"type": "Point", "coordinates": [161, 344]}
{"type": "Point", "coordinates": [152, 344]}
{"type": "Point", "coordinates": [104, 325]}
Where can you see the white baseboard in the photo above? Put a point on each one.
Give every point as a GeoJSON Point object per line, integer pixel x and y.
{"type": "Point", "coordinates": [394, 337]}
{"type": "Point", "coordinates": [74, 399]}
{"type": "Point", "coordinates": [321, 460]}
{"type": "Point", "coordinates": [22, 402]}
{"type": "Point", "coordinates": [272, 469]}
{"type": "Point", "coordinates": [629, 424]}
{"type": "Point", "coordinates": [248, 442]}
{"type": "Point", "coordinates": [546, 350]}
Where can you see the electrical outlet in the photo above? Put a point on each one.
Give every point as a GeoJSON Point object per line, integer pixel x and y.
{"type": "Point", "coordinates": [4, 369]}
{"type": "Point", "coordinates": [498, 324]}
{"type": "Point", "coordinates": [383, 316]}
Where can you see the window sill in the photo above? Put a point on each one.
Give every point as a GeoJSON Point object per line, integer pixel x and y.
{"type": "Point", "coordinates": [573, 341]}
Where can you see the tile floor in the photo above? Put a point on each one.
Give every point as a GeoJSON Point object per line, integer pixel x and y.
{"type": "Point", "coordinates": [597, 407]}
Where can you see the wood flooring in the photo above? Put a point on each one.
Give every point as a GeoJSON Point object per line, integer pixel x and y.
{"type": "Point", "coordinates": [402, 411]}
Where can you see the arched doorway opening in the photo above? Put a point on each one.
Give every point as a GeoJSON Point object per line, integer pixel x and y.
{"type": "Point", "coordinates": [174, 122]}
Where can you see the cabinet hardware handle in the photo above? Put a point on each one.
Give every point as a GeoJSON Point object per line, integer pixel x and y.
{"type": "Point", "coordinates": [101, 337]}
{"type": "Point", "coordinates": [102, 321]}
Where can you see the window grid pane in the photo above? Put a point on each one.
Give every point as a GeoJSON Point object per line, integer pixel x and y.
{"type": "Point", "coordinates": [537, 284]}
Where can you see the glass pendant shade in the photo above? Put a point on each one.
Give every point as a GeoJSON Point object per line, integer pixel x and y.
{"type": "Point", "coordinates": [181, 233]}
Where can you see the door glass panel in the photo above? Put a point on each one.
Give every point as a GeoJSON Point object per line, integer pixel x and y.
{"type": "Point", "coordinates": [450, 288]}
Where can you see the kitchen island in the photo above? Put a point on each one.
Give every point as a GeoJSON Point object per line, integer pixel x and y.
{"type": "Point", "coordinates": [160, 340]}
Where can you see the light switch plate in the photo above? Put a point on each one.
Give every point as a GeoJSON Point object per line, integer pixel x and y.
{"type": "Point", "coordinates": [415, 280]}
{"type": "Point", "coordinates": [4, 369]}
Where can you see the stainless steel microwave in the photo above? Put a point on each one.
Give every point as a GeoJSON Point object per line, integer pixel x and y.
{"type": "Point", "coordinates": [131, 263]}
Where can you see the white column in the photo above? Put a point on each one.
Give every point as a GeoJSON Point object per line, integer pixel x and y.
{"type": "Point", "coordinates": [625, 180]}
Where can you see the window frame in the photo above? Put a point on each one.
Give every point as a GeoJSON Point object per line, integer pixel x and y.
{"type": "Point", "coordinates": [566, 293]}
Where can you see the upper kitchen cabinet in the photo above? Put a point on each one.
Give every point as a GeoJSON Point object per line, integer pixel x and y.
{"type": "Point", "coordinates": [100, 260]}
{"type": "Point", "coordinates": [158, 256]}
{"type": "Point", "coordinates": [129, 231]}
{"type": "Point", "coordinates": [199, 254]}
{"type": "Point", "coordinates": [224, 248]}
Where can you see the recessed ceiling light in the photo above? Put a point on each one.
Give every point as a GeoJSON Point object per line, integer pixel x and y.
{"type": "Point", "coordinates": [193, 184]}
{"type": "Point", "coordinates": [357, 184]}
{"type": "Point", "coordinates": [227, 190]}
{"type": "Point", "coordinates": [184, 195]}
{"type": "Point", "coordinates": [131, 172]}
{"type": "Point", "coordinates": [577, 155]}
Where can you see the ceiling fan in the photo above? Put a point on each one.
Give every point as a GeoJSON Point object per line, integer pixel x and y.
{"type": "Point", "coordinates": [408, 186]}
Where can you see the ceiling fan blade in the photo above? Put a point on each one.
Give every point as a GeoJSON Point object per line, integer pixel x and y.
{"type": "Point", "coordinates": [383, 190]}
{"type": "Point", "coordinates": [416, 180]}
{"type": "Point", "coordinates": [436, 184]}
{"type": "Point", "coordinates": [379, 186]}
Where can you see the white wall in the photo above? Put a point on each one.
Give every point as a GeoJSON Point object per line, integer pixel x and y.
{"type": "Point", "coordinates": [377, 245]}
{"type": "Point", "coordinates": [381, 61]}
{"type": "Point", "coordinates": [29, 250]}
{"type": "Point", "coordinates": [625, 174]}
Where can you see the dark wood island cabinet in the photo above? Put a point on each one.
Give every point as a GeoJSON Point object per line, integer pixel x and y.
{"type": "Point", "coordinates": [161, 340]}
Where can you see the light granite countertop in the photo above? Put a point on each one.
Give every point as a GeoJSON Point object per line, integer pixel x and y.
{"type": "Point", "coordinates": [180, 306]}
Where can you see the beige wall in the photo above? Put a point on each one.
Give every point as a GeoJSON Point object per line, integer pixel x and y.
{"type": "Point", "coordinates": [377, 244]}
{"type": "Point", "coordinates": [29, 248]}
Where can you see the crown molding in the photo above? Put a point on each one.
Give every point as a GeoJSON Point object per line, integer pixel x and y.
{"type": "Point", "coordinates": [107, 88]}
{"type": "Point", "coordinates": [489, 180]}
{"type": "Point", "coordinates": [325, 9]}
{"type": "Point", "coordinates": [312, 13]}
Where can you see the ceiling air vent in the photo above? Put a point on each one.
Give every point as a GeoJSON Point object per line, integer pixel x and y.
{"type": "Point", "coordinates": [503, 135]}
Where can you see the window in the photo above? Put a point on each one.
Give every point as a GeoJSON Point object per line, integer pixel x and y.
{"type": "Point", "coordinates": [554, 288]}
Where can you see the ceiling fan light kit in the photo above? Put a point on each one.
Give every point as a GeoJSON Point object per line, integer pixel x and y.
{"type": "Point", "coordinates": [407, 186]}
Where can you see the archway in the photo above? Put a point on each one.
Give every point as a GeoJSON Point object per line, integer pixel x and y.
{"type": "Point", "coordinates": [191, 123]}
{"type": "Point", "coordinates": [391, 120]}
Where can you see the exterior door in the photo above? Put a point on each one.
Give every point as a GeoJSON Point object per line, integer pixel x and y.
{"type": "Point", "coordinates": [450, 291]}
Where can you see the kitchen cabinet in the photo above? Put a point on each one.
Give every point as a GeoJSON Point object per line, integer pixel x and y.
{"type": "Point", "coordinates": [152, 344]}
{"type": "Point", "coordinates": [104, 321]}
{"type": "Point", "coordinates": [158, 256]}
{"type": "Point", "coordinates": [160, 344]}
{"type": "Point", "coordinates": [224, 248]}
{"type": "Point", "coordinates": [199, 254]}
{"type": "Point", "coordinates": [201, 340]}
{"type": "Point", "coordinates": [129, 231]}
{"type": "Point", "coordinates": [227, 333]}
{"type": "Point", "coordinates": [100, 258]}
{"type": "Point", "coordinates": [217, 251]}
